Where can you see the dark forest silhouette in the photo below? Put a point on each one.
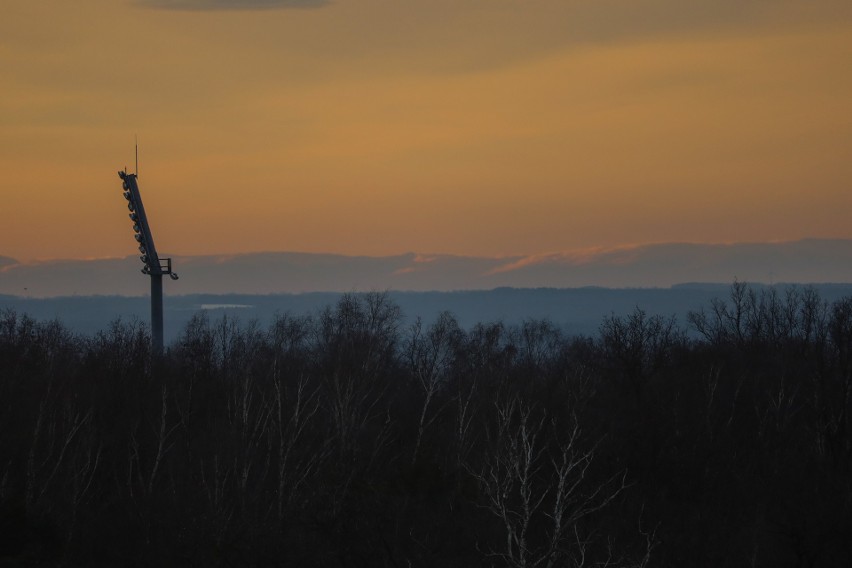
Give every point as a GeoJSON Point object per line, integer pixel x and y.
{"type": "Point", "coordinates": [349, 439]}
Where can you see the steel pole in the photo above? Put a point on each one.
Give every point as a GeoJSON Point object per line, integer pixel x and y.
{"type": "Point", "coordinates": [157, 314]}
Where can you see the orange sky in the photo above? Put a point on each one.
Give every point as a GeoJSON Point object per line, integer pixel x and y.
{"type": "Point", "coordinates": [480, 127]}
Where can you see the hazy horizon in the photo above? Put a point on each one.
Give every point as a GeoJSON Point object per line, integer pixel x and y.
{"type": "Point", "coordinates": [578, 253]}
{"type": "Point", "coordinates": [651, 266]}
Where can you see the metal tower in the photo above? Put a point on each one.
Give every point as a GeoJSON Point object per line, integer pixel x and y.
{"type": "Point", "coordinates": [154, 266]}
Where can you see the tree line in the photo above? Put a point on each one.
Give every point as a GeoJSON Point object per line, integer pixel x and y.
{"type": "Point", "coordinates": [347, 438]}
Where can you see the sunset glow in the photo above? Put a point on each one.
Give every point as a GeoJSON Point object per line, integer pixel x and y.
{"type": "Point", "coordinates": [481, 127]}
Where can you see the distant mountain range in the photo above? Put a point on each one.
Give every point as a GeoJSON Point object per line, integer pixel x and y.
{"type": "Point", "coordinates": [654, 265]}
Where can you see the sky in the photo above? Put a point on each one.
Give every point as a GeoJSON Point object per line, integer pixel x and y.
{"type": "Point", "coordinates": [468, 127]}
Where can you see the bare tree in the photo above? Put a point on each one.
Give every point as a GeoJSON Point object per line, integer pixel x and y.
{"type": "Point", "coordinates": [638, 346]}
{"type": "Point", "coordinates": [527, 481]}
{"type": "Point", "coordinates": [430, 356]}
{"type": "Point", "coordinates": [295, 411]}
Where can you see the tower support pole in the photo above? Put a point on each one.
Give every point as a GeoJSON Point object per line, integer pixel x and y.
{"type": "Point", "coordinates": [157, 314]}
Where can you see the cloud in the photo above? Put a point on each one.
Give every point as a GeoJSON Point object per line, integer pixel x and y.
{"type": "Point", "coordinates": [623, 254]}
{"type": "Point", "coordinates": [212, 5]}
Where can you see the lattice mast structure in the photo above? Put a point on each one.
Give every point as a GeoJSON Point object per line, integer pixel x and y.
{"type": "Point", "coordinates": [153, 265]}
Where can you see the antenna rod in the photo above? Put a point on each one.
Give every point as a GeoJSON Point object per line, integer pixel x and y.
{"type": "Point", "coordinates": [136, 140]}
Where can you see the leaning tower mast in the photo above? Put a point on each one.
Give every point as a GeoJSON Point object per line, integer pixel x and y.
{"type": "Point", "coordinates": [153, 265]}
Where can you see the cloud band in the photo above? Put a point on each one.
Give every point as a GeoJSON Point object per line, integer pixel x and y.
{"type": "Point", "coordinates": [211, 5]}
